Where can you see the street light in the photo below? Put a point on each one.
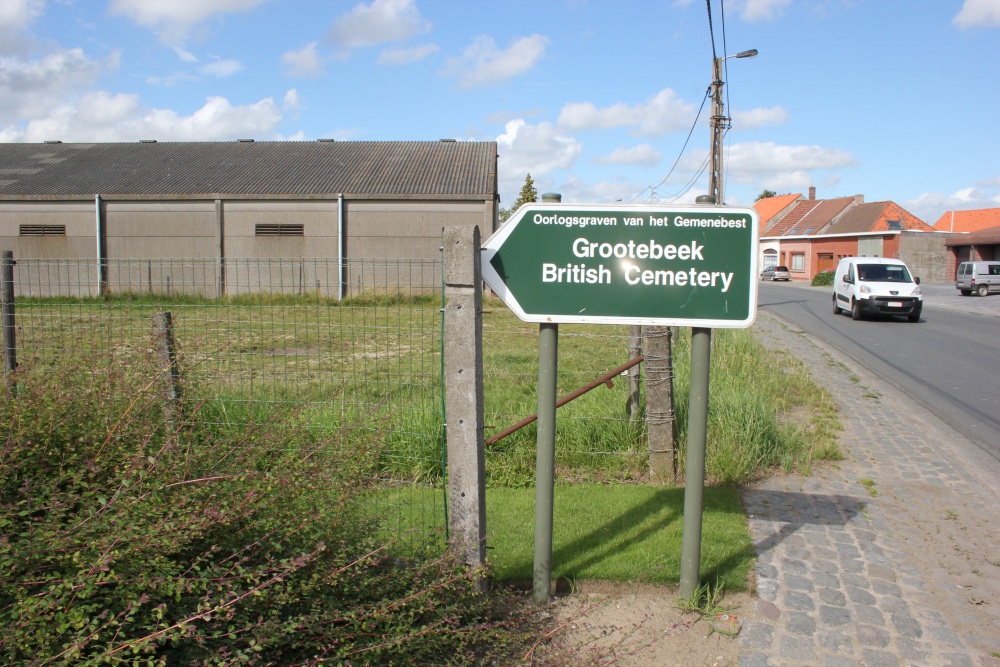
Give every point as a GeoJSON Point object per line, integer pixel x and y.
{"type": "Point", "coordinates": [719, 123]}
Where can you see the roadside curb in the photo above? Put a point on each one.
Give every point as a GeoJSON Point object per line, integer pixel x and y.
{"type": "Point", "coordinates": [882, 558]}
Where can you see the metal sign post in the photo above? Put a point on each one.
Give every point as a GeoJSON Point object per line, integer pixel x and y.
{"type": "Point", "coordinates": [695, 266]}
{"type": "Point", "coordinates": [545, 458]}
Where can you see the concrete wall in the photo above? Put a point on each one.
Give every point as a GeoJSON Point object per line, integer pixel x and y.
{"type": "Point", "coordinates": [320, 222]}
{"type": "Point", "coordinates": [161, 247]}
{"type": "Point", "coordinates": [405, 228]}
{"type": "Point", "coordinates": [872, 246]}
{"type": "Point", "coordinates": [210, 247]}
{"type": "Point", "coordinates": [926, 255]}
{"type": "Point", "coordinates": [79, 218]}
{"type": "Point", "coordinates": [154, 230]}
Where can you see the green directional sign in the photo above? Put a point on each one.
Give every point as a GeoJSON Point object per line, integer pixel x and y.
{"type": "Point", "coordinates": [672, 266]}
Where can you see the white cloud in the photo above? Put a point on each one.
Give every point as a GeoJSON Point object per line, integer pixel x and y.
{"type": "Point", "coordinates": [33, 87]}
{"type": "Point", "coordinates": [218, 68]}
{"type": "Point", "coordinates": [763, 10]}
{"type": "Point", "coordinates": [103, 116]}
{"type": "Point", "coordinates": [378, 22]}
{"type": "Point", "coordinates": [532, 149]}
{"type": "Point", "coordinates": [643, 154]}
{"type": "Point", "coordinates": [185, 56]}
{"type": "Point", "coordinates": [172, 19]}
{"type": "Point", "coordinates": [11, 134]}
{"type": "Point", "coordinates": [483, 64]}
{"type": "Point", "coordinates": [221, 68]}
{"type": "Point", "coordinates": [305, 62]}
{"type": "Point", "coordinates": [660, 114]}
{"type": "Point", "coordinates": [291, 100]}
{"type": "Point", "coordinates": [788, 181]}
{"type": "Point", "coordinates": [779, 168]}
{"type": "Point", "coordinates": [406, 56]}
{"type": "Point", "coordinates": [767, 158]}
{"type": "Point", "coordinates": [978, 13]}
{"type": "Point", "coordinates": [930, 206]}
{"type": "Point", "coordinates": [298, 136]}
{"type": "Point", "coordinates": [759, 117]}
{"type": "Point", "coordinates": [19, 14]}
{"type": "Point", "coordinates": [574, 189]}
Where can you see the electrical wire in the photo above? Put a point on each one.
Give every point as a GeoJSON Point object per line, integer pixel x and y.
{"type": "Point", "coordinates": [683, 148]}
{"type": "Point", "coordinates": [694, 179]}
{"type": "Point", "coordinates": [725, 50]}
{"type": "Point", "coordinates": [691, 182]}
{"type": "Point", "coordinates": [711, 33]}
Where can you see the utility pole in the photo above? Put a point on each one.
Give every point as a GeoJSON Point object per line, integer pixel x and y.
{"type": "Point", "coordinates": [719, 124]}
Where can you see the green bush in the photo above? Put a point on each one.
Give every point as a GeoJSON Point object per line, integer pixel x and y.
{"type": "Point", "coordinates": [127, 537]}
{"type": "Point", "coordinates": [824, 279]}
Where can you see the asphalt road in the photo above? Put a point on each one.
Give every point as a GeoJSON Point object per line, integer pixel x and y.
{"type": "Point", "coordinates": [949, 361]}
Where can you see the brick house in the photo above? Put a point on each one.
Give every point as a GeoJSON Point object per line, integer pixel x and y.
{"type": "Point", "coordinates": [810, 235]}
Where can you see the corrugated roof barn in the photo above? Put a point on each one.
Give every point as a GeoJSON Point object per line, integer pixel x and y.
{"type": "Point", "coordinates": [222, 202]}
{"type": "Point", "coordinates": [365, 168]}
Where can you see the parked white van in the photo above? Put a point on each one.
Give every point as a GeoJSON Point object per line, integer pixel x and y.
{"type": "Point", "coordinates": [979, 277]}
{"type": "Point", "coordinates": [876, 285]}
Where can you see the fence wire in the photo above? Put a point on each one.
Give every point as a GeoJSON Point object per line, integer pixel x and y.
{"type": "Point", "coordinates": [600, 437]}
{"type": "Point", "coordinates": [261, 338]}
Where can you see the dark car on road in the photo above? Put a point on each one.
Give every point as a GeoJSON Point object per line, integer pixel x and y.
{"type": "Point", "coordinates": [775, 273]}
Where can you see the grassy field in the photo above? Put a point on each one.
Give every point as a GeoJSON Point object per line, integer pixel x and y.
{"type": "Point", "coordinates": [765, 413]}
{"type": "Point", "coordinates": [374, 365]}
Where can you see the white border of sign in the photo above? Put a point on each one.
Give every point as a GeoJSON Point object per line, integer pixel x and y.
{"type": "Point", "coordinates": [496, 283]}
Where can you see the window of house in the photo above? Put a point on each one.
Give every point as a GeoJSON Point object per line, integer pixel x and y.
{"type": "Point", "coordinates": [894, 224]}
{"type": "Point", "coordinates": [279, 230]}
{"type": "Point", "coordinates": [42, 230]}
{"type": "Point", "coordinates": [798, 262]}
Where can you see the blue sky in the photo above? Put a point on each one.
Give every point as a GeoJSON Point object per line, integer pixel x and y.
{"type": "Point", "coordinates": [893, 99]}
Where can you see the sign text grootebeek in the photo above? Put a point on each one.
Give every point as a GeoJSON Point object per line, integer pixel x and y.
{"type": "Point", "coordinates": [635, 273]}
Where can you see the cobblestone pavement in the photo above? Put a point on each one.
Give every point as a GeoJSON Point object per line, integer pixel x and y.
{"type": "Point", "coordinates": [889, 557]}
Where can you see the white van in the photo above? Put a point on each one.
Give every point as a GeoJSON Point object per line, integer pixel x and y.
{"type": "Point", "coordinates": [876, 286]}
{"type": "Point", "coordinates": [979, 277]}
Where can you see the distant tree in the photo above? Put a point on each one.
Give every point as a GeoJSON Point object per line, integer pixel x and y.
{"type": "Point", "coordinates": [765, 194]}
{"type": "Point", "coordinates": [529, 195]}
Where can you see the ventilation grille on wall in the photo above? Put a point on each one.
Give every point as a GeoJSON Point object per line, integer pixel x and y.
{"type": "Point", "coordinates": [280, 230]}
{"type": "Point", "coordinates": [43, 230]}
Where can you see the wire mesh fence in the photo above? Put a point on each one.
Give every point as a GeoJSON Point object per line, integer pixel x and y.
{"type": "Point", "coordinates": [600, 436]}
{"type": "Point", "coordinates": [261, 339]}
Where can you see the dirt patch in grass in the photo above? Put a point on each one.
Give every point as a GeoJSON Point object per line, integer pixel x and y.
{"type": "Point", "coordinates": [634, 625]}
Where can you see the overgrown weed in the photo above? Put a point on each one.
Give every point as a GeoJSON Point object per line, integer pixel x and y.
{"type": "Point", "coordinates": [128, 538]}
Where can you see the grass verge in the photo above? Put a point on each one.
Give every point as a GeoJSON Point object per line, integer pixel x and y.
{"type": "Point", "coordinates": [629, 533]}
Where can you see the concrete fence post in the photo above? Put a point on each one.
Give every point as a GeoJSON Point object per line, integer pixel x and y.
{"type": "Point", "coordinates": [7, 312]}
{"type": "Point", "coordinates": [463, 378]}
{"type": "Point", "coordinates": [166, 352]}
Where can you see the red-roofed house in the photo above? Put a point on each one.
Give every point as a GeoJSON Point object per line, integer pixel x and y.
{"type": "Point", "coordinates": [967, 221]}
{"type": "Point", "coordinates": [774, 207]}
{"type": "Point", "coordinates": [977, 237]}
{"type": "Point", "coordinates": [810, 236]}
